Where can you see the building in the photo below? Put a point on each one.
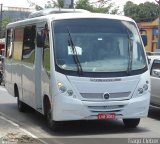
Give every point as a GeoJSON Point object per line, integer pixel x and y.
{"type": "Point", "coordinates": [16, 13]}
{"type": "Point", "coordinates": [151, 30]}
{"type": "Point", "coordinates": [13, 14]}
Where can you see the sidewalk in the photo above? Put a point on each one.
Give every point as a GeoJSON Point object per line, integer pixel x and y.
{"type": "Point", "coordinates": [12, 133]}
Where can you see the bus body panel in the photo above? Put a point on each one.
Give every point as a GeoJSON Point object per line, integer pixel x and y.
{"type": "Point", "coordinates": [8, 76]}
{"type": "Point", "coordinates": [28, 84]}
{"type": "Point", "coordinates": [79, 106]}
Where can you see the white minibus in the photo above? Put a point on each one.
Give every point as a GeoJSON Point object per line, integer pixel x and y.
{"type": "Point", "coordinates": [78, 66]}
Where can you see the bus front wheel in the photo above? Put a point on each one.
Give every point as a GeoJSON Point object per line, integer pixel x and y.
{"type": "Point", "coordinates": [131, 123]}
{"type": "Point", "coordinates": [54, 125]}
{"type": "Point", "coordinates": [21, 105]}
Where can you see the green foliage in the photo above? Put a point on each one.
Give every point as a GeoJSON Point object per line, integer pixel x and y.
{"type": "Point", "coordinates": [5, 21]}
{"type": "Point", "coordinates": [37, 7]}
{"type": "Point", "coordinates": [147, 11]}
{"type": "Point", "coordinates": [54, 4]}
{"type": "Point", "coordinates": [84, 4]}
{"type": "Point", "coordinates": [49, 4]}
{"type": "Point", "coordinates": [102, 6]}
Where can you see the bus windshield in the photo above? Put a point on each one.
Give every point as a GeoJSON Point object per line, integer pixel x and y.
{"type": "Point", "coordinates": [97, 45]}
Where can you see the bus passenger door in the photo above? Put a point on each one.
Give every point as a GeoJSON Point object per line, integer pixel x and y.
{"type": "Point", "coordinates": [43, 64]}
{"type": "Point", "coordinates": [39, 67]}
{"type": "Point", "coordinates": [29, 65]}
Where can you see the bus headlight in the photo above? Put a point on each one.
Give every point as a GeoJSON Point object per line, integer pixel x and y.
{"type": "Point", "coordinates": [143, 89]}
{"type": "Point", "coordinates": [140, 91]}
{"type": "Point", "coordinates": [70, 92]}
{"type": "Point", "coordinates": [61, 87]}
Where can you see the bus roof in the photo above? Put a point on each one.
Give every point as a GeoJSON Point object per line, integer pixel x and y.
{"type": "Point", "coordinates": [55, 11]}
{"type": "Point", "coordinates": [73, 15]}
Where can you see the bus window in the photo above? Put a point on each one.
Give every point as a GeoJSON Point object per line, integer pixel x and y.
{"type": "Point", "coordinates": [18, 44]}
{"type": "Point", "coordinates": [29, 44]}
{"type": "Point", "coordinates": [9, 43]}
{"type": "Point", "coordinates": [46, 52]}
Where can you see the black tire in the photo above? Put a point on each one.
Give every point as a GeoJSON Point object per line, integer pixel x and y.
{"type": "Point", "coordinates": [21, 106]}
{"type": "Point", "coordinates": [53, 125]}
{"type": "Point", "coordinates": [131, 123]}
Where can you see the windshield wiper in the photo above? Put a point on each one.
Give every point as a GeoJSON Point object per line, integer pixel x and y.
{"type": "Point", "coordinates": [75, 54]}
{"type": "Point", "coordinates": [130, 53]}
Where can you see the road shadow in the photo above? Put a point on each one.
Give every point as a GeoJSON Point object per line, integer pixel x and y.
{"type": "Point", "coordinates": [96, 127]}
{"type": "Point", "coordinates": [90, 127]}
{"type": "Point", "coordinates": [31, 119]}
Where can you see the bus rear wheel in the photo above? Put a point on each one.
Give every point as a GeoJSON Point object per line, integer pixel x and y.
{"type": "Point", "coordinates": [54, 125]}
{"type": "Point", "coordinates": [21, 106]}
{"type": "Point", "coordinates": [131, 123]}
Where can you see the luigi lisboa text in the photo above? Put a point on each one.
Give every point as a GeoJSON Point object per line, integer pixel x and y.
{"type": "Point", "coordinates": [143, 140]}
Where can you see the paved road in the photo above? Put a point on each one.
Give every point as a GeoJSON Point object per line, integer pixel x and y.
{"type": "Point", "coordinates": [87, 132]}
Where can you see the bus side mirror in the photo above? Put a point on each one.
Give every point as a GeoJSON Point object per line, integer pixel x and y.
{"type": "Point", "coordinates": [155, 73]}
{"type": "Point", "coordinates": [144, 39]}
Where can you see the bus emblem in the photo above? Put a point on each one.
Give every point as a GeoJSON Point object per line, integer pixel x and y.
{"type": "Point", "coordinates": [106, 96]}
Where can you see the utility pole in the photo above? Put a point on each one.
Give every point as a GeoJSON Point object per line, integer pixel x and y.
{"type": "Point", "coordinates": [68, 3]}
{"type": "Point", "coordinates": [1, 17]}
{"type": "Point", "coordinates": [158, 1]}
{"type": "Point", "coordinates": [72, 4]}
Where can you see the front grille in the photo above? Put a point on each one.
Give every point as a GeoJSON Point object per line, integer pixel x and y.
{"type": "Point", "coordinates": [107, 108]}
{"type": "Point", "coordinates": [92, 95]}
{"type": "Point", "coordinates": [113, 96]}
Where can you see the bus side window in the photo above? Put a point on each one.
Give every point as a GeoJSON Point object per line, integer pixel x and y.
{"type": "Point", "coordinates": [46, 59]}
{"type": "Point", "coordinates": [46, 49]}
{"type": "Point", "coordinates": [29, 44]}
{"type": "Point", "coordinates": [18, 43]}
{"type": "Point", "coordinates": [45, 34]}
{"type": "Point", "coordinates": [9, 43]}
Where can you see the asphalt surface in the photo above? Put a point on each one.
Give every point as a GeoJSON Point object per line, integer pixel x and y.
{"type": "Point", "coordinates": [33, 125]}
{"type": "Point", "coordinates": [10, 131]}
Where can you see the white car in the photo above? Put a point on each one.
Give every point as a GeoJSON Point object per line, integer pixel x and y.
{"type": "Point", "coordinates": [154, 62]}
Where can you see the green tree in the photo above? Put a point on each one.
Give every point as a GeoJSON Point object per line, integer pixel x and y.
{"type": "Point", "coordinates": [54, 4]}
{"type": "Point", "coordinates": [84, 4]}
{"type": "Point", "coordinates": [102, 6]}
{"type": "Point", "coordinates": [49, 4]}
{"type": "Point", "coordinates": [32, 4]}
{"type": "Point", "coordinates": [5, 21]}
{"type": "Point", "coordinates": [147, 11]}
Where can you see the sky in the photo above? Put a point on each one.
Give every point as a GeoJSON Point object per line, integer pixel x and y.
{"type": "Point", "coordinates": [25, 4]}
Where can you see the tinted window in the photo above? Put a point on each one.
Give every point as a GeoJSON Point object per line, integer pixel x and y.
{"type": "Point", "coordinates": [29, 44]}
{"type": "Point", "coordinates": [9, 43]}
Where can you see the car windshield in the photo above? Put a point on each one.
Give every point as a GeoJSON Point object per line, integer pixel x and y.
{"type": "Point", "coordinates": [97, 45]}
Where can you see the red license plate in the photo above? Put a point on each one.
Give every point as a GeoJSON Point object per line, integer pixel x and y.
{"type": "Point", "coordinates": [104, 116]}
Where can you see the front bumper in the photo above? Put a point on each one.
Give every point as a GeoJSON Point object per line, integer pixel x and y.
{"type": "Point", "coordinates": [66, 108]}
